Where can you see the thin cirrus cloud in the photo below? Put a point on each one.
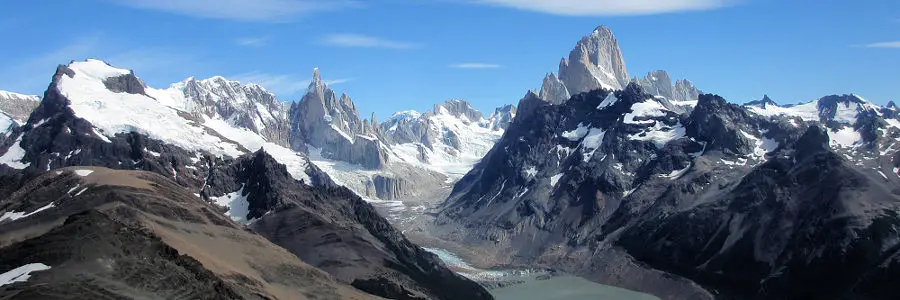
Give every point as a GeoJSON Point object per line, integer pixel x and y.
{"type": "Point", "coordinates": [366, 41]}
{"type": "Point", "coordinates": [281, 84]}
{"type": "Point", "coordinates": [241, 10]}
{"type": "Point", "coordinates": [609, 7]}
{"type": "Point", "coordinates": [475, 66]}
{"type": "Point", "coordinates": [252, 41]}
{"type": "Point", "coordinates": [883, 45]}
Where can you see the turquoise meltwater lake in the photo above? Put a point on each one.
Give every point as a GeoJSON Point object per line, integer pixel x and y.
{"type": "Point", "coordinates": [536, 285]}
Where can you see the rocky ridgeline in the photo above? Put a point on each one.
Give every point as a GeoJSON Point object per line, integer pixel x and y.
{"type": "Point", "coordinates": [629, 188]}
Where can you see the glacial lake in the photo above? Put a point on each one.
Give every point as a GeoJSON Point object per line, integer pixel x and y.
{"type": "Point", "coordinates": [537, 287]}
{"type": "Point", "coordinates": [566, 288]}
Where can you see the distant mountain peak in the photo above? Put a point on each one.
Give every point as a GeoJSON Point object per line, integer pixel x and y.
{"type": "Point", "coordinates": [17, 106]}
{"type": "Point", "coordinates": [762, 103]}
{"type": "Point", "coordinates": [596, 62]}
{"type": "Point", "coordinates": [316, 81]}
{"type": "Point", "coordinates": [603, 30]}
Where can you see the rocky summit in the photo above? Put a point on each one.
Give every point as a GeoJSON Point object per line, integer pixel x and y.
{"type": "Point", "coordinates": [597, 62]}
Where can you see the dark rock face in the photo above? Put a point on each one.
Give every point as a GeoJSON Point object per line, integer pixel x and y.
{"type": "Point", "coordinates": [93, 257]}
{"type": "Point", "coordinates": [132, 234]}
{"type": "Point", "coordinates": [125, 84]}
{"type": "Point", "coordinates": [721, 123]}
{"type": "Point", "coordinates": [629, 190]}
{"type": "Point", "coordinates": [335, 230]}
{"type": "Point", "coordinates": [794, 215]}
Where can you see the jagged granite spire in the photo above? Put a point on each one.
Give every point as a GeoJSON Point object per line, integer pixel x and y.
{"type": "Point", "coordinates": [316, 81]}
{"type": "Point", "coordinates": [334, 126]}
{"type": "Point", "coordinates": [596, 62]}
{"type": "Point", "coordinates": [554, 90]}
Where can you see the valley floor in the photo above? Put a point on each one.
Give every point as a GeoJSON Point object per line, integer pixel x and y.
{"type": "Point", "coordinates": [412, 217]}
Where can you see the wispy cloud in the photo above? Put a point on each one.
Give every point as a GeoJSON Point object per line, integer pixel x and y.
{"type": "Point", "coordinates": [252, 41]}
{"type": "Point", "coordinates": [475, 66]}
{"type": "Point", "coordinates": [609, 7]}
{"type": "Point", "coordinates": [338, 81]}
{"type": "Point", "coordinates": [365, 41]}
{"type": "Point", "coordinates": [883, 45]}
{"type": "Point", "coordinates": [281, 84]}
{"type": "Point", "coordinates": [241, 10]}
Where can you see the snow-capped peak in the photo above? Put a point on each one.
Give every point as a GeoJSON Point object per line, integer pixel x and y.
{"type": "Point", "coordinates": [127, 112]}
{"type": "Point", "coordinates": [406, 114]}
{"type": "Point", "coordinates": [96, 69]}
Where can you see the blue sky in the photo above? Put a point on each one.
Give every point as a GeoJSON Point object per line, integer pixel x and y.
{"type": "Point", "coordinates": [393, 55]}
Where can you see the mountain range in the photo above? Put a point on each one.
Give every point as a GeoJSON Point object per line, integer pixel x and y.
{"type": "Point", "coordinates": [688, 199]}
{"type": "Point", "coordinates": [185, 169]}
{"type": "Point", "coordinates": [214, 189]}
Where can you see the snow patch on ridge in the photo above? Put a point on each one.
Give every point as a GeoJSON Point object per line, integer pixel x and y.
{"type": "Point", "coordinates": [14, 155]}
{"type": "Point", "coordinates": [21, 274]}
{"type": "Point", "coordinates": [530, 172]}
{"type": "Point", "coordinates": [844, 138]}
{"type": "Point", "coordinates": [576, 134]}
{"type": "Point", "coordinates": [806, 112]}
{"type": "Point", "coordinates": [13, 215]}
{"type": "Point", "coordinates": [608, 101]}
{"type": "Point", "coordinates": [645, 109]}
{"type": "Point", "coordinates": [660, 134]}
{"type": "Point", "coordinates": [237, 204]}
{"type": "Point", "coordinates": [555, 179]}
{"type": "Point", "coordinates": [592, 142]}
